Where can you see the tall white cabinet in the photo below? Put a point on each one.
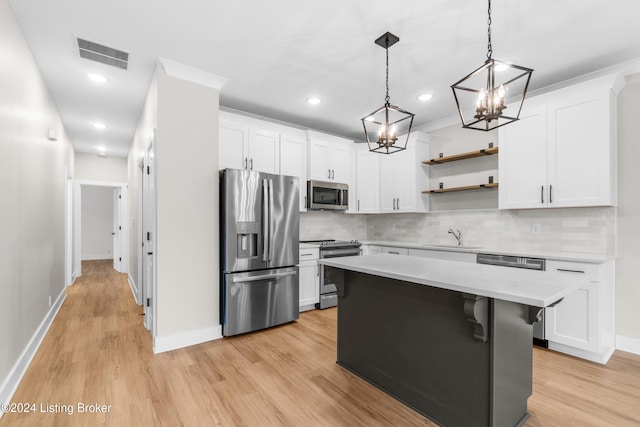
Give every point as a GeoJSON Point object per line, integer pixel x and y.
{"type": "Point", "coordinates": [561, 153]}
{"type": "Point", "coordinates": [393, 183]}
{"type": "Point", "coordinates": [293, 161]}
{"type": "Point", "coordinates": [367, 189]}
{"type": "Point", "coordinates": [328, 157]}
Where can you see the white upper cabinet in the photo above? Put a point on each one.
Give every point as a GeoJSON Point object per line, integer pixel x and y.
{"type": "Point", "coordinates": [293, 161]}
{"type": "Point", "coordinates": [264, 151]}
{"type": "Point", "coordinates": [328, 158]}
{"type": "Point", "coordinates": [244, 144]}
{"type": "Point", "coordinates": [403, 178]}
{"type": "Point", "coordinates": [233, 145]}
{"type": "Point", "coordinates": [522, 171]}
{"type": "Point", "coordinates": [561, 153]}
{"type": "Point", "coordinates": [367, 181]}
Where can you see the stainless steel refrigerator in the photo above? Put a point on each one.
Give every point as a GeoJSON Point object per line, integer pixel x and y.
{"type": "Point", "coordinates": [259, 249]}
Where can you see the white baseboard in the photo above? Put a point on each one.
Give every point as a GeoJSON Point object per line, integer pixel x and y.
{"type": "Point", "coordinates": [601, 358]}
{"type": "Point", "coordinates": [186, 339]}
{"type": "Point", "coordinates": [134, 289]}
{"type": "Point", "coordinates": [11, 383]}
{"type": "Point", "coordinates": [628, 344]}
{"type": "Point", "coordinates": [96, 257]}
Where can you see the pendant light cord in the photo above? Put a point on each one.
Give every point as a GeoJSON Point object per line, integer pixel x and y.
{"type": "Point", "coordinates": [489, 47]}
{"type": "Point", "coordinates": [387, 98]}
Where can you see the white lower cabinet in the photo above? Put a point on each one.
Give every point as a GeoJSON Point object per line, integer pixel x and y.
{"type": "Point", "coordinates": [309, 277]}
{"type": "Point", "coordinates": [393, 250]}
{"type": "Point", "coordinates": [371, 249]}
{"type": "Point", "coordinates": [583, 323]}
{"type": "Point", "coordinates": [444, 255]}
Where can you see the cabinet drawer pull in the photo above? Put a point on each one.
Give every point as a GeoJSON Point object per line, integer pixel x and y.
{"type": "Point", "coordinates": [550, 193]}
{"type": "Point", "coordinates": [566, 270]}
{"type": "Point", "coordinates": [306, 254]}
{"type": "Point", "coordinates": [395, 253]}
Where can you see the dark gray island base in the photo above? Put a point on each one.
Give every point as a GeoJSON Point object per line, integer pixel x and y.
{"type": "Point", "coordinates": [459, 359]}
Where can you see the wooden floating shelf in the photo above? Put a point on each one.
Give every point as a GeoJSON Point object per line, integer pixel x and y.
{"type": "Point", "coordinates": [462, 156]}
{"type": "Point", "coordinates": [468, 187]}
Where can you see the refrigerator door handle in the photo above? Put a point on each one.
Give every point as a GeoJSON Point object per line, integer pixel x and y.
{"type": "Point", "coordinates": [262, 277]}
{"type": "Point", "coordinates": [265, 220]}
{"type": "Point", "coordinates": [271, 225]}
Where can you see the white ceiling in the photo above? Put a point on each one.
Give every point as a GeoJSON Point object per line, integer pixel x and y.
{"type": "Point", "coordinates": [278, 53]}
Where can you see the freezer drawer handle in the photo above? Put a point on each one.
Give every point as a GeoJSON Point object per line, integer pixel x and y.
{"type": "Point", "coordinates": [262, 277]}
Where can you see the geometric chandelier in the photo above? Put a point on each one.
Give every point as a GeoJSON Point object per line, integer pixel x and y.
{"type": "Point", "coordinates": [480, 96]}
{"type": "Point", "coordinates": [382, 127]}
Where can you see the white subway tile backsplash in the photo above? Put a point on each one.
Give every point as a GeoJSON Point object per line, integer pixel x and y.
{"type": "Point", "coordinates": [589, 230]}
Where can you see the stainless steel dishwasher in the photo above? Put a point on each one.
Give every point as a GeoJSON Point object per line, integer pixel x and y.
{"type": "Point", "coordinates": [538, 264]}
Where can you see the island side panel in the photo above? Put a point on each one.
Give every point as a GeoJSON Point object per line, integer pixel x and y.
{"type": "Point", "coordinates": [415, 343]}
{"type": "Point", "coordinates": [512, 363]}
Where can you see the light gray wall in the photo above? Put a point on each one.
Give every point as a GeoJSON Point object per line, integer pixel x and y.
{"type": "Point", "coordinates": [146, 124]}
{"type": "Point", "coordinates": [32, 172]}
{"type": "Point", "coordinates": [187, 244]}
{"type": "Point", "coordinates": [628, 259]}
{"type": "Point", "coordinates": [97, 222]}
{"type": "Point", "coordinates": [90, 167]}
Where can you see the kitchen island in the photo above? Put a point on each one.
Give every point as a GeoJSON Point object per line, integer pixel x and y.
{"type": "Point", "coordinates": [451, 340]}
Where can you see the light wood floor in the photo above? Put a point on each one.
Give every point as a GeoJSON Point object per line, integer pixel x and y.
{"type": "Point", "coordinates": [97, 351]}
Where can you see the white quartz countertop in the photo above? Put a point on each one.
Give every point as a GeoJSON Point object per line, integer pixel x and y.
{"type": "Point", "coordinates": [550, 255]}
{"type": "Point", "coordinates": [535, 288]}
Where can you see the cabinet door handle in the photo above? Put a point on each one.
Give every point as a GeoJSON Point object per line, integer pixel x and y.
{"type": "Point", "coordinates": [398, 203]}
{"type": "Point", "coordinates": [358, 205]}
{"type": "Point", "coordinates": [333, 173]}
{"type": "Point", "coordinates": [542, 194]}
{"type": "Point", "coordinates": [251, 164]}
{"type": "Point", "coordinates": [566, 270]}
{"type": "Point", "coordinates": [328, 173]}
{"type": "Point", "coordinates": [245, 162]}
{"type": "Point", "coordinates": [394, 253]}
{"type": "Point", "coordinates": [550, 193]}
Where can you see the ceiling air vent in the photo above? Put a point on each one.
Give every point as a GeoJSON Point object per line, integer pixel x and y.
{"type": "Point", "coordinates": [103, 54]}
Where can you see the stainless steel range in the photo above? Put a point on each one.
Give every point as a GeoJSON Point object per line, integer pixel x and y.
{"type": "Point", "coordinates": [332, 249]}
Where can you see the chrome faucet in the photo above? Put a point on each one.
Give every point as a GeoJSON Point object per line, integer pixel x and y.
{"type": "Point", "coordinates": [457, 234]}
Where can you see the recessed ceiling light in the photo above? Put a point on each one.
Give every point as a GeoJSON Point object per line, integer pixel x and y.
{"type": "Point", "coordinates": [97, 78]}
{"type": "Point", "coordinates": [425, 97]}
{"type": "Point", "coordinates": [313, 101]}
{"type": "Point", "coordinates": [99, 126]}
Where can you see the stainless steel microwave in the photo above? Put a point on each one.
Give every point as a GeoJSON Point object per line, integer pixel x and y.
{"type": "Point", "coordinates": [327, 195]}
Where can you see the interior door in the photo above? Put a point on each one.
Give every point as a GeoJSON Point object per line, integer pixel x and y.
{"type": "Point", "coordinates": [148, 237]}
{"type": "Point", "coordinates": [117, 230]}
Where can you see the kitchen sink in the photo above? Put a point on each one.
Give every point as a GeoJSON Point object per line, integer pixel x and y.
{"type": "Point", "coordinates": [452, 246]}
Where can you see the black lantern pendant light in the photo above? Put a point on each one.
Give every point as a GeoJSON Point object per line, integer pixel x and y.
{"type": "Point", "coordinates": [383, 126]}
{"type": "Point", "coordinates": [481, 95]}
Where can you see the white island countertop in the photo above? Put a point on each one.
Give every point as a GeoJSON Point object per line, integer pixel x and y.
{"type": "Point", "coordinates": [535, 288]}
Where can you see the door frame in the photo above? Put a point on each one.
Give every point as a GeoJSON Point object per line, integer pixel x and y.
{"type": "Point", "coordinates": [69, 277]}
{"type": "Point", "coordinates": [77, 213]}
{"type": "Point", "coordinates": [147, 214]}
